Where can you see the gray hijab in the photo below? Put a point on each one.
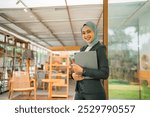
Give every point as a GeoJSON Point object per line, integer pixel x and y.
{"type": "Point", "coordinates": [93, 27]}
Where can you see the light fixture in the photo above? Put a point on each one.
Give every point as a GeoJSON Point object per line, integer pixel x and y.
{"type": "Point", "coordinates": [18, 1]}
{"type": "Point", "coordinates": [25, 10]}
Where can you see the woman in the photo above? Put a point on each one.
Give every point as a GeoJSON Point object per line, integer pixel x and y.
{"type": "Point", "coordinates": [88, 85]}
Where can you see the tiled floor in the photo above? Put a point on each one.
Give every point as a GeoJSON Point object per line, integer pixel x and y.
{"type": "Point", "coordinates": [41, 94]}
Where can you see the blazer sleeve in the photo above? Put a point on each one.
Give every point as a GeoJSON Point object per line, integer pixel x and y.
{"type": "Point", "coordinates": [103, 69]}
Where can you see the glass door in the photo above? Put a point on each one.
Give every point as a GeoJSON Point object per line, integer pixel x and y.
{"type": "Point", "coordinates": [128, 49]}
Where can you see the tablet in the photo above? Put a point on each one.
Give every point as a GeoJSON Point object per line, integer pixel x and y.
{"type": "Point", "coordinates": [86, 59]}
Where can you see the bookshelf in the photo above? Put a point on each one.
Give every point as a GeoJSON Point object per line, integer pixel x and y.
{"type": "Point", "coordinates": [11, 50]}
{"type": "Point", "coordinates": [59, 73]}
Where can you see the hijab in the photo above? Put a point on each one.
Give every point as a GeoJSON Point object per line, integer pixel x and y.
{"type": "Point", "coordinates": [93, 27]}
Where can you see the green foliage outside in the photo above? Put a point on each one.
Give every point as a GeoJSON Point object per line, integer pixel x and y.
{"type": "Point", "coordinates": [119, 89]}
{"type": "Point", "coordinates": [145, 90]}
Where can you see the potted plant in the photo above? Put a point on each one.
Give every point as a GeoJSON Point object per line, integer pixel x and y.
{"type": "Point", "coordinates": [64, 61]}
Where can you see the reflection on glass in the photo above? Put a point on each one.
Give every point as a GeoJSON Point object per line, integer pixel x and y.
{"type": "Point", "coordinates": [129, 55]}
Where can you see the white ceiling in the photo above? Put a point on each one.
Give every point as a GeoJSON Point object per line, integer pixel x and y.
{"type": "Point", "coordinates": [46, 3]}
{"type": "Point", "coordinates": [53, 25]}
{"type": "Point", "coordinates": [59, 25]}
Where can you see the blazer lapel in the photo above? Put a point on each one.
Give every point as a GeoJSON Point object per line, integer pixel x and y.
{"type": "Point", "coordinates": [94, 47]}
{"type": "Point", "coordinates": [84, 47]}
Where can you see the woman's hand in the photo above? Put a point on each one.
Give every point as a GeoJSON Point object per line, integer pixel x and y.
{"type": "Point", "coordinates": [77, 69]}
{"type": "Point", "coordinates": [77, 77]}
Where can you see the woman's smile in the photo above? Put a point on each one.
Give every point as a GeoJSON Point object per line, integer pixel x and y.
{"type": "Point", "coordinates": [87, 34]}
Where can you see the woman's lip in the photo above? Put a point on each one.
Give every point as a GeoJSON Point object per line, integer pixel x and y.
{"type": "Point", "coordinates": [87, 39]}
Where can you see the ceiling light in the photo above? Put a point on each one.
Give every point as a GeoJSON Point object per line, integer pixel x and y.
{"type": "Point", "coordinates": [25, 10]}
{"type": "Point", "coordinates": [18, 2]}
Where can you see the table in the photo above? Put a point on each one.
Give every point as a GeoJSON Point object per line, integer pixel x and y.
{"type": "Point", "coordinates": [50, 82]}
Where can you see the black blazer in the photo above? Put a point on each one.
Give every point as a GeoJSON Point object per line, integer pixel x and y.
{"type": "Point", "coordinates": [94, 85]}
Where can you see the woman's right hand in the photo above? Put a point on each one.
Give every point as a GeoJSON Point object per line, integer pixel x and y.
{"type": "Point", "coordinates": [77, 77]}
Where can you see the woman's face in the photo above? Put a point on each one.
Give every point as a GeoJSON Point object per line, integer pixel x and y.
{"type": "Point", "coordinates": [87, 34]}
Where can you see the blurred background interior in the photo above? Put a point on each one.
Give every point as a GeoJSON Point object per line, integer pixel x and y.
{"type": "Point", "coordinates": [41, 37]}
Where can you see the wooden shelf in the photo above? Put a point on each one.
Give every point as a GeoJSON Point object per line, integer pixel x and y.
{"type": "Point", "coordinates": [61, 75]}
{"type": "Point", "coordinates": [59, 65]}
{"type": "Point", "coordinates": [11, 55]}
{"type": "Point", "coordinates": [60, 95]}
{"type": "Point", "coordinates": [60, 85]}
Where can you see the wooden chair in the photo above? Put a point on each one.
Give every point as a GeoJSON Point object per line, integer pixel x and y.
{"type": "Point", "coordinates": [21, 82]}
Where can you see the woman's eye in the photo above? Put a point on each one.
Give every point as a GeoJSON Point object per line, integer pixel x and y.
{"type": "Point", "coordinates": [88, 31]}
{"type": "Point", "coordinates": [83, 33]}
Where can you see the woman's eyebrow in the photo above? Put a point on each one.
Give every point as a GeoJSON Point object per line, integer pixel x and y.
{"type": "Point", "coordinates": [88, 30]}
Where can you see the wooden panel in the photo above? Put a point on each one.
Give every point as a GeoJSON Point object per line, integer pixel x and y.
{"type": "Point", "coordinates": [64, 48]}
{"type": "Point", "coordinates": [105, 36]}
{"type": "Point", "coordinates": [144, 75]}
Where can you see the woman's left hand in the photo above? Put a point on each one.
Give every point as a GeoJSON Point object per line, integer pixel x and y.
{"type": "Point", "coordinates": [77, 69]}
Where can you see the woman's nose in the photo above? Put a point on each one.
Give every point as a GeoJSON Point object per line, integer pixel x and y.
{"type": "Point", "coordinates": [85, 35]}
